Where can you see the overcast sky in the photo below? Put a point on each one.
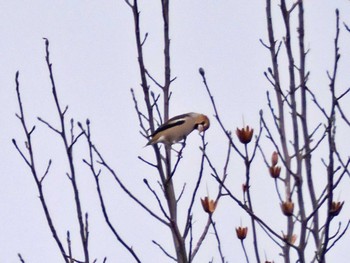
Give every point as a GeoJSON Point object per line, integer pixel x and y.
{"type": "Point", "coordinates": [94, 60]}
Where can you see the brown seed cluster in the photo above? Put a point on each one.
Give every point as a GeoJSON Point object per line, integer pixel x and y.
{"type": "Point", "coordinates": [336, 208]}
{"type": "Point", "coordinates": [245, 134]}
{"type": "Point", "coordinates": [241, 232]}
{"type": "Point", "coordinates": [208, 205]}
{"type": "Point", "coordinates": [287, 208]}
{"type": "Point", "coordinates": [274, 169]}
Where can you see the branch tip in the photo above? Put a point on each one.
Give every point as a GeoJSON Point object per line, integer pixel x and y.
{"type": "Point", "coordinates": [202, 72]}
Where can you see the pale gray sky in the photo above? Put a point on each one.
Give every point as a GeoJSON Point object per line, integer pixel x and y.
{"type": "Point", "coordinates": [94, 60]}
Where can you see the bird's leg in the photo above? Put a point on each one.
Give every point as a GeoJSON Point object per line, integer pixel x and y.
{"type": "Point", "coordinates": [177, 152]}
{"type": "Point", "coordinates": [184, 143]}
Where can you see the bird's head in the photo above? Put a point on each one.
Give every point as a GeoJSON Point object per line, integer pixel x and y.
{"type": "Point", "coordinates": [202, 123]}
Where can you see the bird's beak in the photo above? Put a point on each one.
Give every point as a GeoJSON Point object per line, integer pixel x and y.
{"type": "Point", "coordinates": [200, 128]}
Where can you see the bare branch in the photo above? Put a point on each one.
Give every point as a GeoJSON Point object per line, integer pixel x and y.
{"type": "Point", "coordinates": [227, 133]}
{"type": "Point", "coordinates": [153, 79]}
{"type": "Point", "coordinates": [46, 172]}
{"type": "Point", "coordinates": [201, 239]}
{"type": "Point", "coordinates": [147, 162]}
{"type": "Point", "coordinates": [217, 239]}
{"type": "Point", "coordinates": [339, 236]}
{"type": "Point", "coordinates": [20, 258]}
{"type": "Point", "coordinates": [30, 162]}
{"type": "Point", "coordinates": [195, 190]}
{"type": "Point", "coordinates": [120, 183]}
{"type": "Point", "coordinates": [21, 153]}
{"type": "Point", "coordinates": [157, 198]}
{"type": "Point", "coordinates": [346, 27]}
{"type": "Point", "coordinates": [69, 154]}
{"type": "Point", "coordinates": [96, 175]}
{"type": "Point", "coordinates": [164, 251]}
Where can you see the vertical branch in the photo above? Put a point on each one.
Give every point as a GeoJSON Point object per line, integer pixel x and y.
{"type": "Point", "coordinates": [69, 152]}
{"type": "Point", "coordinates": [278, 92]}
{"type": "Point", "coordinates": [219, 195]}
{"type": "Point", "coordinates": [144, 83]}
{"type": "Point", "coordinates": [167, 76]}
{"type": "Point", "coordinates": [331, 144]}
{"type": "Point", "coordinates": [168, 185]}
{"type": "Point", "coordinates": [69, 243]}
{"type": "Point", "coordinates": [280, 106]}
{"type": "Point", "coordinates": [142, 68]}
{"type": "Point", "coordinates": [250, 204]}
{"type": "Point", "coordinates": [31, 163]}
{"type": "Point", "coordinates": [164, 173]}
{"type": "Point", "coordinates": [306, 136]}
{"type": "Point", "coordinates": [292, 91]}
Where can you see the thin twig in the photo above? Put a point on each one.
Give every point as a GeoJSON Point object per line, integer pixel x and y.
{"type": "Point", "coordinates": [21, 258]}
{"type": "Point", "coordinates": [227, 133]}
{"type": "Point", "coordinates": [164, 251]}
{"type": "Point", "coordinates": [245, 251]}
{"type": "Point", "coordinates": [96, 175]}
{"type": "Point", "coordinates": [69, 153]}
{"type": "Point", "coordinates": [157, 198]}
{"type": "Point", "coordinates": [31, 163]}
{"type": "Point", "coordinates": [217, 238]}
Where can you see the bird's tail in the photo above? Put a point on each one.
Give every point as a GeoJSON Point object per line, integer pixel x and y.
{"type": "Point", "coordinates": [150, 142]}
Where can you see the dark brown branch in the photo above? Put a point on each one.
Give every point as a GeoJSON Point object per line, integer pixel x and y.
{"type": "Point", "coordinates": [201, 239]}
{"type": "Point", "coordinates": [21, 258]}
{"type": "Point", "coordinates": [147, 162]}
{"type": "Point", "coordinates": [120, 183]}
{"type": "Point", "coordinates": [178, 159]}
{"type": "Point", "coordinates": [157, 198]}
{"type": "Point", "coordinates": [188, 227]}
{"type": "Point", "coordinates": [245, 251]}
{"type": "Point", "coordinates": [30, 162]}
{"type": "Point", "coordinates": [70, 256]}
{"type": "Point", "coordinates": [46, 172]}
{"type": "Point", "coordinates": [219, 195]}
{"type": "Point", "coordinates": [156, 106]}
{"type": "Point", "coordinates": [217, 238]}
{"type": "Point", "coordinates": [69, 153]}
{"type": "Point", "coordinates": [243, 206]}
{"type": "Point", "coordinates": [217, 117]}
{"type": "Point", "coordinates": [164, 251]}
{"type": "Point", "coordinates": [346, 27]}
{"type": "Point", "coordinates": [331, 144]}
{"type": "Point", "coordinates": [49, 125]}
{"type": "Point", "coordinates": [21, 153]}
{"type": "Point", "coordinates": [339, 236]}
{"type": "Point", "coordinates": [140, 115]}
{"type": "Point", "coordinates": [153, 79]}
{"type": "Point", "coordinates": [96, 175]}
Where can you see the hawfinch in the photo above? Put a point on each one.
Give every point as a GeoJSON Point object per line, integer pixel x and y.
{"type": "Point", "coordinates": [178, 127]}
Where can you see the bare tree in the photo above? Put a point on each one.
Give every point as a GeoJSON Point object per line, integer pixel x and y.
{"type": "Point", "coordinates": [296, 146]}
{"type": "Point", "coordinates": [286, 128]}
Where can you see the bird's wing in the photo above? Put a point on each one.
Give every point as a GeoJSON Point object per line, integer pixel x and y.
{"type": "Point", "coordinates": [169, 124]}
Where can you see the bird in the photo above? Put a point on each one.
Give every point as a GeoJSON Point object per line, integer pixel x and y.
{"type": "Point", "coordinates": [179, 127]}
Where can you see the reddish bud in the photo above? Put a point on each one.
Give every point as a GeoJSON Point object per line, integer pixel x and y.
{"type": "Point", "coordinates": [290, 239]}
{"type": "Point", "coordinates": [241, 232]}
{"type": "Point", "coordinates": [245, 134]}
{"type": "Point", "coordinates": [275, 171]}
{"type": "Point", "coordinates": [336, 208]}
{"type": "Point", "coordinates": [208, 205]}
{"type": "Point", "coordinates": [274, 158]}
{"type": "Point", "coordinates": [287, 208]}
